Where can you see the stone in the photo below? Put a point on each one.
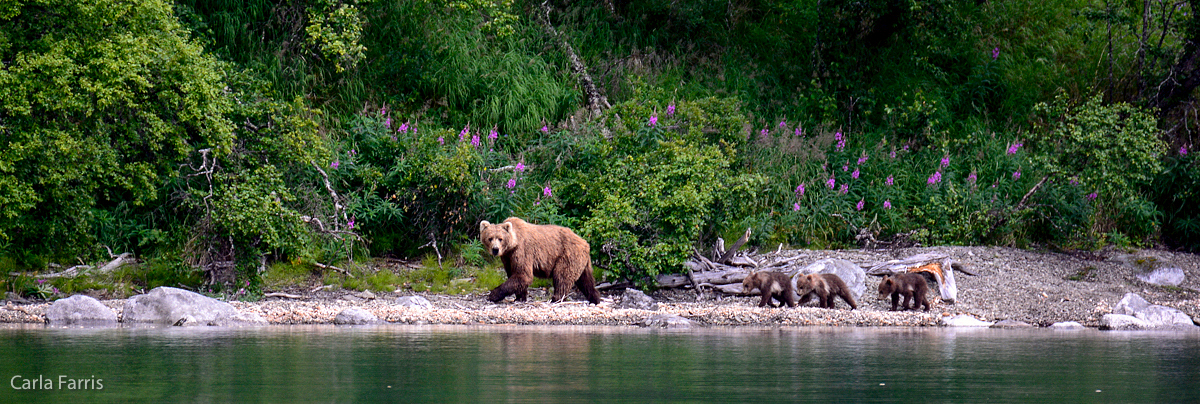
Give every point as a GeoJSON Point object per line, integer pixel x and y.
{"type": "Point", "coordinates": [365, 295]}
{"type": "Point", "coordinates": [636, 299]}
{"type": "Point", "coordinates": [187, 321]}
{"type": "Point", "coordinates": [1163, 276]}
{"type": "Point", "coordinates": [415, 301]}
{"type": "Point", "coordinates": [1067, 325]}
{"type": "Point", "coordinates": [1130, 304]}
{"type": "Point", "coordinates": [854, 276]}
{"type": "Point", "coordinates": [667, 321]}
{"type": "Point", "coordinates": [355, 316]}
{"type": "Point", "coordinates": [1011, 324]}
{"type": "Point", "coordinates": [167, 306]}
{"type": "Point", "coordinates": [963, 320]}
{"type": "Point", "coordinates": [1122, 322]}
{"type": "Point", "coordinates": [80, 310]}
{"type": "Point", "coordinates": [1164, 317]}
{"type": "Point", "coordinates": [240, 319]}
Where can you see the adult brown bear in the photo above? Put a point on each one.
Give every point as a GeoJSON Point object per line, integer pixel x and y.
{"type": "Point", "coordinates": [543, 251]}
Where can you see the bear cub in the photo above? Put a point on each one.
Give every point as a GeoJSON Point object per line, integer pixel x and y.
{"type": "Point", "coordinates": [776, 285]}
{"type": "Point", "coordinates": [825, 287]}
{"type": "Point", "coordinates": [910, 285]}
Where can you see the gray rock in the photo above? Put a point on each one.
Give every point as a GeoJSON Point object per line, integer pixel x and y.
{"type": "Point", "coordinates": [1130, 304]}
{"type": "Point", "coordinates": [167, 306]}
{"type": "Point", "coordinates": [1011, 324]}
{"type": "Point", "coordinates": [635, 299]}
{"type": "Point", "coordinates": [80, 310]}
{"type": "Point", "coordinates": [1163, 276]}
{"type": "Point", "coordinates": [667, 321]}
{"type": "Point", "coordinates": [854, 276]}
{"type": "Point", "coordinates": [366, 295]}
{"type": "Point", "coordinates": [1122, 322]}
{"type": "Point", "coordinates": [240, 319]}
{"type": "Point", "coordinates": [355, 316]}
{"type": "Point", "coordinates": [963, 320]}
{"type": "Point", "coordinates": [1067, 325]}
{"type": "Point", "coordinates": [415, 301]}
{"type": "Point", "coordinates": [1164, 317]}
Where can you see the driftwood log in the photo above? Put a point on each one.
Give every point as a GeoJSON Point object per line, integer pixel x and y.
{"type": "Point", "coordinates": [940, 266]}
{"type": "Point", "coordinates": [117, 262]}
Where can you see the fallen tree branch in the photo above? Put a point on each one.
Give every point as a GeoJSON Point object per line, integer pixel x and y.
{"type": "Point", "coordinates": [117, 262]}
{"type": "Point", "coordinates": [323, 266]}
{"type": "Point", "coordinates": [284, 295]}
{"type": "Point", "coordinates": [596, 102]}
{"type": "Point", "coordinates": [736, 245]}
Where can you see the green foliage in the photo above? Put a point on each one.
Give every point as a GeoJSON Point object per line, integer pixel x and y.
{"type": "Point", "coordinates": [1112, 149]}
{"type": "Point", "coordinates": [100, 103]}
{"type": "Point", "coordinates": [336, 29]}
{"type": "Point", "coordinates": [1176, 191]}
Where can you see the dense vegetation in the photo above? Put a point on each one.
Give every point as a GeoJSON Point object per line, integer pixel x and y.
{"type": "Point", "coordinates": [219, 138]}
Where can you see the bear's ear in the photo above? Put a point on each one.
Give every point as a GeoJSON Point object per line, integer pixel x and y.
{"type": "Point", "coordinates": [483, 225]}
{"type": "Point", "coordinates": [507, 226]}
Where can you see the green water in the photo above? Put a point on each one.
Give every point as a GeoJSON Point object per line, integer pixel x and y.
{"type": "Point", "coordinates": [596, 364]}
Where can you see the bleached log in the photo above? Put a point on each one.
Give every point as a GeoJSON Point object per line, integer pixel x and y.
{"type": "Point", "coordinates": [720, 277]}
{"type": "Point", "coordinates": [736, 245]}
{"type": "Point", "coordinates": [323, 266]}
{"type": "Point", "coordinates": [117, 262]}
{"type": "Point", "coordinates": [730, 289]}
{"type": "Point", "coordinates": [940, 266]}
{"type": "Point", "coordinates": [284, 295]}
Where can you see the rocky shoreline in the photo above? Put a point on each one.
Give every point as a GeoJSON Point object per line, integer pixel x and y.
{"type": "Point", "coordinates": [1012, 287]}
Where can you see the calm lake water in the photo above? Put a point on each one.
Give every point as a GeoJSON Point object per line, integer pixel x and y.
{"type": "Point", "coordinates": [393, 363]}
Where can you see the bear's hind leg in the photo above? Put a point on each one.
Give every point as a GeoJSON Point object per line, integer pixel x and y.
{"type": "Point", "coordinates": [587, 286]}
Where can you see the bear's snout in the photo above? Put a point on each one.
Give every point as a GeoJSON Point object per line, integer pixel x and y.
{"type": "Point", "coordinates": [495, 251]}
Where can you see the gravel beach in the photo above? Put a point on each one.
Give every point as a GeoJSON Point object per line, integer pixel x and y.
{"type": "Point", "coordinates": [1039, 288]}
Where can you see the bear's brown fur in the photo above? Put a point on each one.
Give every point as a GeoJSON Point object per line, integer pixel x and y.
{"type": "Point", "coordinates": [825, 287]}
{"type": "Point", "coordinates": [543, 251]}
{"type": "Point", "coordinates": [910, 285]}
{"type": "Point", "coordinates": [775, 285]}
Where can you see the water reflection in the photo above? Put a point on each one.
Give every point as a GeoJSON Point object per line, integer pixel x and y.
{"type": "Point", "coordinates": [395, 363]}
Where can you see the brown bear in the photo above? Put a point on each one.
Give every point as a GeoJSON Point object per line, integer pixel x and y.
{"type": "Point", "coordinates": [910, 285]}
{"type": "Point", "coordinates": [825, 287]}
{"type": "Point", "coordinates": [775, 285]}
{"type": "Point", "coordinates": [543, 251]}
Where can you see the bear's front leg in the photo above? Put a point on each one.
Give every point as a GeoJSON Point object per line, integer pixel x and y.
{"type": "Point", "coordinates": [513, 286]}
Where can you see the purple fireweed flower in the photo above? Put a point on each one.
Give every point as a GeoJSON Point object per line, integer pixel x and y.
{"type": "Point", "coordinates": [972, 177]}
{"type": "Point", "coordinates": [334, 164]}
{"type": "Point", "coordinates": [859, 206]}
{"type": "Point", "coordinates": [441, 140]}
{"type": "Point", "coordinates": [846, 167]}
{"type": "Point", "coordinates": [935, 178]}
{"type": "Point", "coordinates": [831, 183]}
{"type": "Point", "coordinates": [889, 181]}
{"type": "Point", "coordinates": [1016, 175]}
{"type": "Point", "coordinates": [783, 123]}
{"type": "Point", "coordinates": [799, 131]}
{"type": "Point", "coordinates": [545, 129]}
{"type": "Point", "coordinates": [493, 135]}
{"type": "Point", "coordinates": [383, 111]}
{"type": "Point", "coordinates": [475, 140]}
{"type": "Point", "coordinates": [1182, 150]}
{"type": "Point", "coordinates": [462, 136]}
{"type": "Point", "coordinates": [854, 174]}
{"type": "Point", "coordinates": [1092, 196]}
{"type": "Point", "coordinates": [653, 120]}
{"type": "Point", "coordinates": [795, 206]}
{"type": "Point", "coordinates": [1073, 181]}
{"type": "Point", "coordinates": [763, 133]}
{"type": "Point", "coordinates": [800, 190]}
{"type": "Point", "coordinates": [387, 123]}
{"type": "Point", "coordinates": [671, 110]}
{"type": "Point", "coordinates": [403, 127]}
{"type": "Point", "coordinates": [1013, 149]}
{"type": "Point", "coordinates": [887, 204]}
{"type": "Point", "coordinates": [863, 159]}
{"type": "Point", "coordinates": [905, 148]}
{"type": "Point", "coordinates": [837, 136]}
{"type": "Point", "coordinates": [844, 189]}
{"type": "Point", "coordinates": [41, 281]}
{"type": "Point", "coordinates": [512, 183]}
{"type": "Point", "coordinates": [945, 161]}
{"type": "Point", "coordinates": [350, 224]}
{"type": "Point", "coordinates": [547, 192]}
{"type": "Point", "coordinates": [995, 53]}
{"type": "Point", "coordinates": [893, 155]}
{"type": "Point", "coordinates": [520, 167]}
